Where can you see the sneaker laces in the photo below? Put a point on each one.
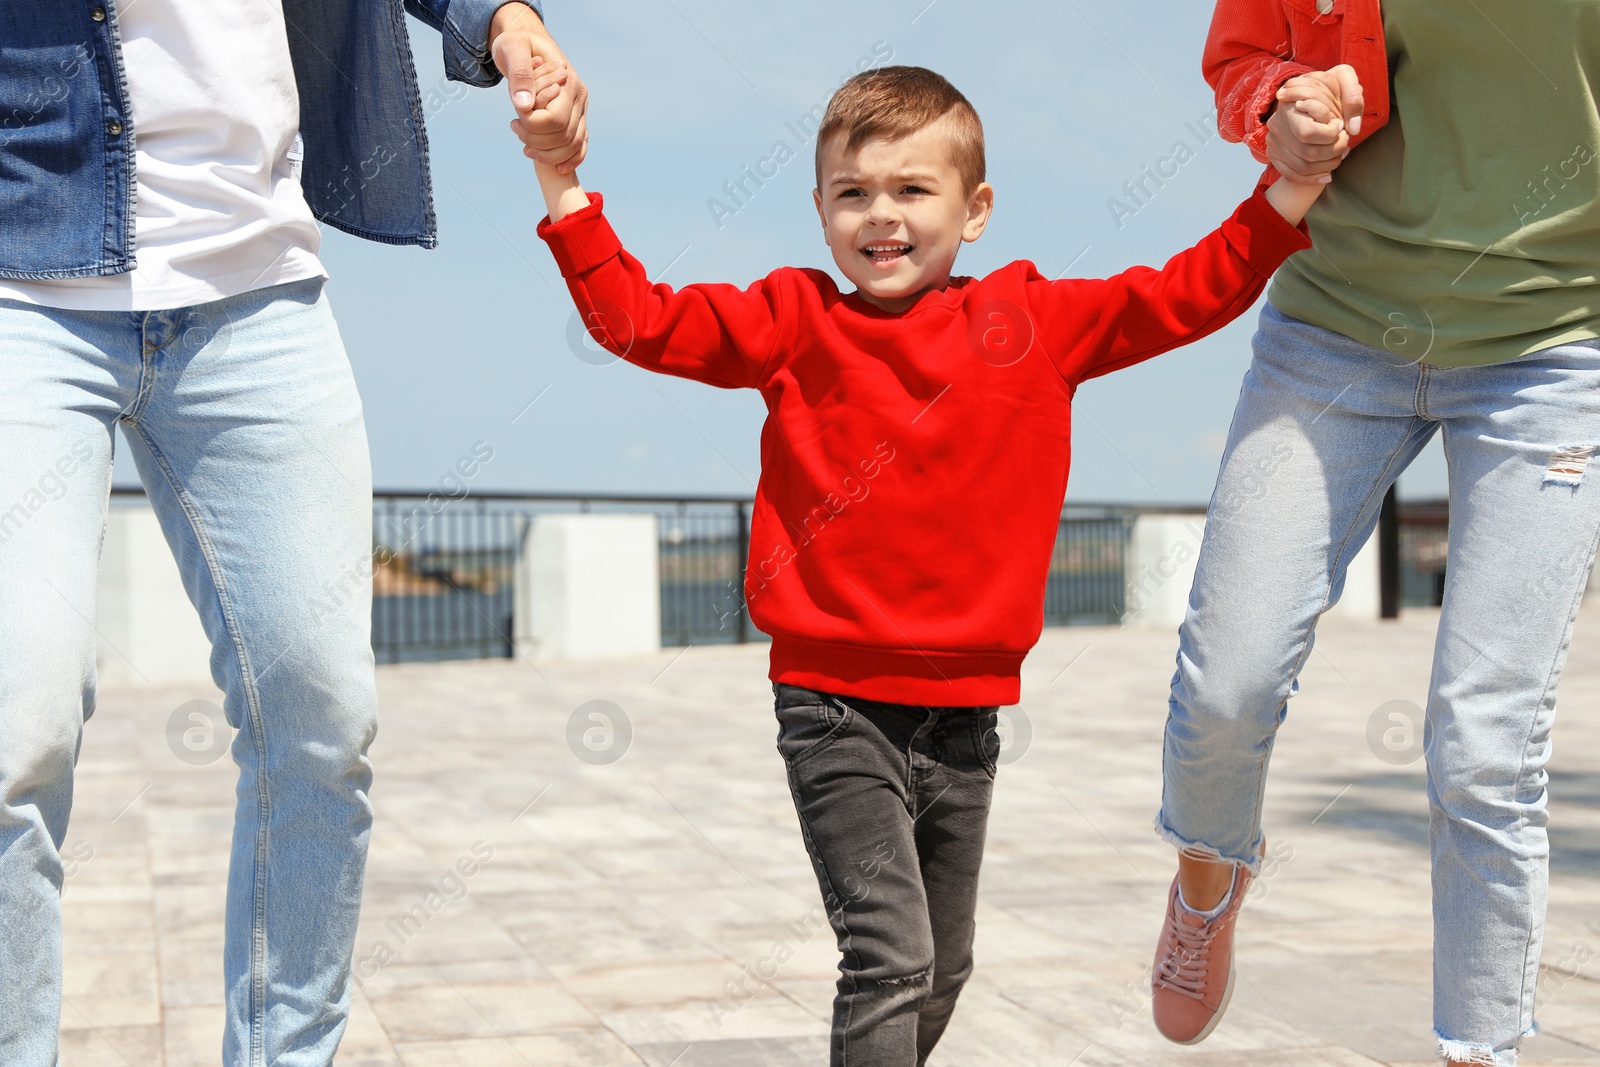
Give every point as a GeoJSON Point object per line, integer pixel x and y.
{"type": "Point", "coordinates": [1186, 965]}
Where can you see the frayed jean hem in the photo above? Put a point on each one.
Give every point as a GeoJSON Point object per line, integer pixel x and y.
{"type": "Point", "coordinates": [1251, 863]}
{"type": "Point", "coordinates": [1467, 1052]}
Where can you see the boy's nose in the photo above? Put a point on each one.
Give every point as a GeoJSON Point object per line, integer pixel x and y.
{"type": "Point", "coordinates": [882, 209]}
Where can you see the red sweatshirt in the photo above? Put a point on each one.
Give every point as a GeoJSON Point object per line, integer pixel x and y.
{"type": "Point", "coordinates": [1257, 45]}
{"type": "Point", "coordinates": [913, 466]}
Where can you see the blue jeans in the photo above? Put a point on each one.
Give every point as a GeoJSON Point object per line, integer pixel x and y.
{"type": "Point", "coordinates": [1323, 428]}
{"type": "Point", "coordinates": [243, 419]}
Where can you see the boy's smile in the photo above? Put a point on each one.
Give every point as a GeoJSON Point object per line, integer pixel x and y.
{"type": "Point", "coordinates": [895, 213]}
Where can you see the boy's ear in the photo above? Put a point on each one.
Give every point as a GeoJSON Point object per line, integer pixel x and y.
{"type": "Point", "coordinates": [979, 207]}
{"type": "Point", "coordinates": [816, 198]}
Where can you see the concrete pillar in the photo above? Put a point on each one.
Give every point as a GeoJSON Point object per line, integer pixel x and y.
{"type": "Point", "coordinates": [588, 587]}
{"type": "Point", "coordinates": [1162, 551]}
{"type": "Point", "coordinates": [1362, 597]}
{"type": "Point", "coordinates": [147, 629]}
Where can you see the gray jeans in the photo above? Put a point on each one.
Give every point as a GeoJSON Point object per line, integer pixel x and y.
{"type": "Point", "coordinates": [893, 804]}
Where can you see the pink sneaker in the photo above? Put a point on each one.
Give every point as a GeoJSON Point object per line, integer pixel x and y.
{"type": "Point", "coordinates": [1192, 980]}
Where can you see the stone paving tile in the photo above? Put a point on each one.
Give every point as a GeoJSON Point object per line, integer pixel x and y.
{"type": "Point", "coordinates": [113, 989]}
{"type": "Point", "coordinates": [366, 1043]}
{"type": "Point", "coordinates": [590, 1048]}
{"type": "Point", "coordinates": [617, 912]}
{"type": "Point", "coordinates": [190, 962]}
{"type": "Point", "coordinates": [501, 1009]}
{"type": "Point", "coordinates": [757, 1052]}
{"type": "Point", "coordinates": [108, 1046]}
{"type": "Point", "coordinates": [766, 1014]}
{"type": "Point", "coordinates": [193, 1035]}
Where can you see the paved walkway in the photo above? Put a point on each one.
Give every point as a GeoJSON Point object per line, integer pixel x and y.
{"type": "Point", "coordinates": [615, 910]}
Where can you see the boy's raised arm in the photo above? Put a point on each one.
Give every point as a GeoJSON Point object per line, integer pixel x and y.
{"type": "Point", "coordinates": [718, 334]}
{"type": "Point", "coordinates": [562, 193]}
{"type": "Point", "coordinates": [1090, 327]}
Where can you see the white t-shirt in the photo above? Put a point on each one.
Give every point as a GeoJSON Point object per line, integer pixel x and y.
{"type": "Point", "coordinates": [216, 115]}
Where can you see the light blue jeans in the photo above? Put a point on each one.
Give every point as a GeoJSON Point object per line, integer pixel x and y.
{"type": "Point", "coordinates": [243, 419]}
{"type": "Point", "coordinates": [1323, 427]}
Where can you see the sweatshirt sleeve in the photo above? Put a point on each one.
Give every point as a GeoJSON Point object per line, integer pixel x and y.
{"type": "Point", "coordinates": [1246, 63]}
{"type": "Point", "coordinates": [1093, 327]}
{"type": "Point", "coordinates": [718, 334]}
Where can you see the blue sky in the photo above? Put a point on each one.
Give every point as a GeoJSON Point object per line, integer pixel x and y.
{"type": "Point", "coordinates": [450, 346]}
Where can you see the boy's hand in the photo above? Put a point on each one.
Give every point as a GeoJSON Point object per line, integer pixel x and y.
{"type": "Point", "coordinates": [1307, 136]}
{"type": "Point", "coordinates": [543, 91]}
{"type": "Point", "coordinates": [556, 130]}
{"type": "Point", "coordinates": [548, 85]}
{"type": "Point", "coordinates": [548, 93]}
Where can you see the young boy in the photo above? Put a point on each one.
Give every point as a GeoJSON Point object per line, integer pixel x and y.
{"type": "Point", "coordinates": [914, 463]}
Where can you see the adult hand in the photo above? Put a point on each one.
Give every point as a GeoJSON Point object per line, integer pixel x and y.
{"type": "Point", "coordinates": [1301, 143]}
{"type": "Point", "coordinates": [558, 132]}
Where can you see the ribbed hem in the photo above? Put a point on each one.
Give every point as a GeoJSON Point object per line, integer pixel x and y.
{"type": "Point", "coordinates": [582, 240]}
{"type": "Point", "coordinates": [899, 676]}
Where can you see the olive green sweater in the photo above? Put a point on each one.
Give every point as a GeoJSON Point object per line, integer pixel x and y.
{"type": "Point", "coordinates": [1467, 231]}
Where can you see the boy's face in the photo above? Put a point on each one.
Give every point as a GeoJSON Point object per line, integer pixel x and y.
{"type": "Point", "coordinates": [895, 213]}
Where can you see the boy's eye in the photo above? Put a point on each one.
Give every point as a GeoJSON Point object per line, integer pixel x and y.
{"type": "Point", "coordinates": [851, 192]}
{"type": "Point", "coordinates": [915, 190]}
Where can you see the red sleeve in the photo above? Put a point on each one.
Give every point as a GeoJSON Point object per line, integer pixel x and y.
{"type": "Point", "coordinates": [718, 334]}
{"type": "Point", "coordinates": [1093, 327]}
{"type": "Point", "coordinates": [1246, 62]}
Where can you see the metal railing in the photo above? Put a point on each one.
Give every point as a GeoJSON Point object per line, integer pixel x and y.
{"type": "Point", "coordinates": [1424, 550]}
{"type": "Point", "coordinates": [444, 568]}
{"type": "Point", "coordinates": [1087, 581]}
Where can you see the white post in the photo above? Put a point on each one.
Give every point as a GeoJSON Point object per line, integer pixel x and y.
{"type": "Point", "coordinates": [1162, 552]}
{"type": "Point", "coordinates": [1362, 597]}
{"type": "Point", "coordinates": [147, 629]}
{"type": "Point", "coordinates": [588, 587]}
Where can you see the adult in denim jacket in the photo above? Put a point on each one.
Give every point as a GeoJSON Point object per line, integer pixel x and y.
{"type": "Point", "coordinates": [242, 416]}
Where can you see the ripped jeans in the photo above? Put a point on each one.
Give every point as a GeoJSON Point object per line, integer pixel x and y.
{"type": "Point", "coordinates": [1323, 427]}
{"type": "Point", "coordinates": [894, 805]}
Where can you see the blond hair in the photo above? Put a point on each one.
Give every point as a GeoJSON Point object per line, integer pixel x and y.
{"type": "Point", "coordinates": [892, 103]}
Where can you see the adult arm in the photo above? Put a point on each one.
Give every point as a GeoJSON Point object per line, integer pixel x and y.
{"type": "Point", "coordinates": [485, 39]}
{"type": "Point", "coordinates": [466, 26]}
{"type": "Point", "coordinates": [1246, 62]}
{"type": "Point", "coordinates": [557, 133]}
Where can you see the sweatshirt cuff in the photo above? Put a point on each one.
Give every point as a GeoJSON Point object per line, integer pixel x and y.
{"type": "Point", "coordinates": [582, 240]}
{"type": "Point", "coordinates": [1262, 236]}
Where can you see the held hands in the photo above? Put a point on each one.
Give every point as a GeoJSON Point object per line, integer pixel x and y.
{"type": "Point", "coordinates": [1308, 137]}
{"type": "Point", "coordinates": [551, 87]}
{"type": "Point", "coordinates": [1307, 134]}
{"type": "Point", "coordinates": [550, 99]}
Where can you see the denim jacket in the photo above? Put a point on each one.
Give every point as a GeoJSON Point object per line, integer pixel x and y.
{"type": "Point", "coordinates": [67, 141]}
